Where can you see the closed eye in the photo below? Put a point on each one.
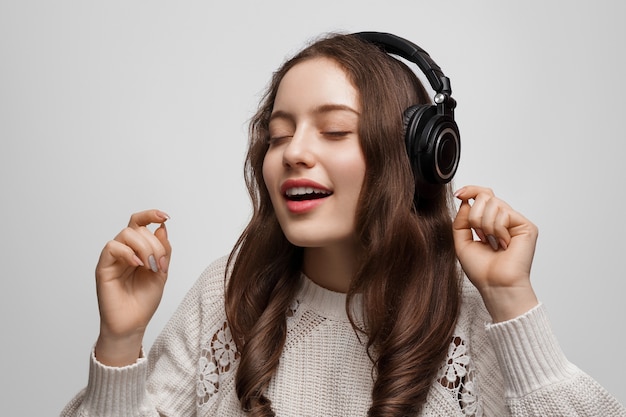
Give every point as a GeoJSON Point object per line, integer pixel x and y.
{"type": "Point", "coordinates": [277, 140]}
{"type": "Point", "coordinates": [337, 134]}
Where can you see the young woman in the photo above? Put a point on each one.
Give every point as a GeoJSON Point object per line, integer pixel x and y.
{"type": "Point", "coordinates": [343, 296]}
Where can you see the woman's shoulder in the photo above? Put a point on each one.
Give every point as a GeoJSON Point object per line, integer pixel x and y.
{"type": "Point", "coordinates": [214, 275]}
{"type": "Point", "coordinates": [206, 295]}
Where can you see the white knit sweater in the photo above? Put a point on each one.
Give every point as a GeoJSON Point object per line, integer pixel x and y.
{"type": "Point", "coordinates": [511, 368]}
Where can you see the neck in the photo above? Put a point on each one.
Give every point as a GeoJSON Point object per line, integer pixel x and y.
{"type": "Point", "coordinates": [331, 268]}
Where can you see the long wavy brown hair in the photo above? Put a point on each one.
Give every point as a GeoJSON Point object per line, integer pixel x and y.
{"type": "Point", "coordinates": [408, 276]}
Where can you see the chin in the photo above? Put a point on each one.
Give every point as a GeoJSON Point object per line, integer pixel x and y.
{"type": "Point", "coordinates": [318, 239]}
{"type": "Point", "coordinates": [303, 241]}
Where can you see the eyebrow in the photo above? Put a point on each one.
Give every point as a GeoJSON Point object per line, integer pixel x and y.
{"type": "Point", "coordinates": [324, 108]}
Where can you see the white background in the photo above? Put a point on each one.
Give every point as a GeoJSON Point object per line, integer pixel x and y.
{"type": "Point", "coordinates": [107, 108]}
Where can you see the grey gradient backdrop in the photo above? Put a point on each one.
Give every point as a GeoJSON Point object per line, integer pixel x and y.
{"type": "Point", "coordinates": [107, 108]}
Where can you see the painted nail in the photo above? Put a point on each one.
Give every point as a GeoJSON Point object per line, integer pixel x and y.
{"type": "Point", "coordinates": [480, 234]}
{"type": "Point", "coordinates": [139, 261]}
{"type": "Point", "coordinates": [153, 264]}
{"type": "Point", "coordinates": [503, 244]}
{"type": "Point", "coordinates": [493, 242]}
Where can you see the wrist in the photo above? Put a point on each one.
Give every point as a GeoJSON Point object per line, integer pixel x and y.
{"type": "Point", "coordinates": [118, 352]}
{"type": "Point", "coordinates": [506, 303]}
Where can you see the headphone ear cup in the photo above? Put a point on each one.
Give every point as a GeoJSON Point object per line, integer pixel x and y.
{"type": "Point", "coordinates": [433, 144]}
{"type": "Point", "coordinates": [415, 120]}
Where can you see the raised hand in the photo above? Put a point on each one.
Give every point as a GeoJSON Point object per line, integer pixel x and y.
{"type": "Point", "coordinates": [499, 262]}
{"type": "Point", "coordinates": [130, 277]}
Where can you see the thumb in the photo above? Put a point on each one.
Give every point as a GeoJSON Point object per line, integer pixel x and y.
{"type": "Point", "coordinates": [161, 234]}
{"type": "Point", "coordinates": [461, 229]}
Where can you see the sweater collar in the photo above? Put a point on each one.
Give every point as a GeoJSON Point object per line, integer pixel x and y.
{"type": "Point", "coordinates": [326, 303]}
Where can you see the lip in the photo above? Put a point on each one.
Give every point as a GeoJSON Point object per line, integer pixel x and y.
{"type": "Point", "coordinates": [304, 206]}
{"type": "Point", "coordinates": [301, 182]}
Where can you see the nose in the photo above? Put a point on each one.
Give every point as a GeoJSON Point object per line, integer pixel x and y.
{"type": "Point", "coordinates": [299, 151]}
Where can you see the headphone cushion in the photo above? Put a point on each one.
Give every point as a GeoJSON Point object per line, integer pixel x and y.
{"type": "Point", "coordinates": [432, 143]}
{"type": "Point", "coordinates": [415, 120]}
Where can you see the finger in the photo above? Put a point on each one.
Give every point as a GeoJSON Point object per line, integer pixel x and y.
{"type": "Point", "coordinates": [461, 228]}
{"type": "Point", "coordinates": [481, 235]}
{"type": "Point", "coordinates": [483, 212]}
{"type": "Point", "coordinates": [501, 227]}
{"type": "Point", "coordinates": [161, 235]}
{"type": "Point", "coordinates": [476, 215]}
{"type": "Point", "coordinates": [115, 251]}
{"type": "Point", "coordinates": [157, 251]}
{"type": "Point", "coordinates": [490, 214]}
{"type": "Point", "coordinates": [507, 223]}
{"type": "Point", "coordinates": [143, 244]}
{"type": "Point", "coordinates": [477, 210]}
{"type": "Point", "coordinates": [495, 222]}
{"type": "Point", "coordinates": [520, 225]}
{"type": "Point", "coordinates": [144, 218]}
{"type": "Point", "coordinates": [469, 192]}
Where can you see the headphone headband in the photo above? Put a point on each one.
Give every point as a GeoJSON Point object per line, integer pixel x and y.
{"type": "Point", "coordinates": [406, 49]}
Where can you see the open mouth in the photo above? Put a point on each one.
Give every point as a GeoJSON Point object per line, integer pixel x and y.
{"type": "Point", "coordinates": [306, 193]}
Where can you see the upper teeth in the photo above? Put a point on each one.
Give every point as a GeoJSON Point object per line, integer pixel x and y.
{"type": "Point", "coordinates": [305, 190]}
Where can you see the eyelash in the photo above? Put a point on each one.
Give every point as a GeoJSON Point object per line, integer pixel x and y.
{"type": "Point", "coordinates": [337, 134]}
{"type": "Point", "coordinates": [274, 139]}
{"type": "Point", "coordinates": [331, 134]}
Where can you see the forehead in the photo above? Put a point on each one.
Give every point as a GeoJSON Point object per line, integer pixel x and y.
{"type": "Point", "coordinates": [315, 82]}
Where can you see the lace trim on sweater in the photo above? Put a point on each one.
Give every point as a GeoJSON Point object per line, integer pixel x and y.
{"type": "Point", "coordinates": [458, 376]}
{"type": "Point", "coordinates": [217, 359]}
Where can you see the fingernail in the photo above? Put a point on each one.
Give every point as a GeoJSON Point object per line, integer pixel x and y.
{"type": "Point", "coordinates": [458, 192]}
{"type": "Point", "coordinates": [153, 264]}
{"type": "Point", "coordinates": [138, 260]}
{"type": "Point", "coordinates": [163, 264]}
{"type": "Point", "coordinates": [480, 234]}
{"type": "Point", "coordinates": [503, 244]}
{"type": "Point", "coordinates": [163, 215]}
{"type": "Point", "coordinates": [493, 242]}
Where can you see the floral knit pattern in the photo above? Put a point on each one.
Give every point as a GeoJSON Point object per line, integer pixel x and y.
{"type": "Point", "coordinates": [219, 354]}
{"type": "Point", "coordinates": [459, 378]}
{"type": "Point", "coordinates": [217, 358]}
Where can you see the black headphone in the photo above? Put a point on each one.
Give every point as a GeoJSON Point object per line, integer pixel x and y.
{"type": "Point", "coordinates": [432, 136]}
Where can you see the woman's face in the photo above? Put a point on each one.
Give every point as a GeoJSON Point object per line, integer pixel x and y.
{"type": "Point", "coordinates": [314, 167]}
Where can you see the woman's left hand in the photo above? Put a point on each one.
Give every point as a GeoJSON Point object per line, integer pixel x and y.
{"type": "Point", "coordinates": [499, 263]}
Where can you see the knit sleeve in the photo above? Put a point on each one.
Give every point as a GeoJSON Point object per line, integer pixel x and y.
{"type": "Point", "coordinates": [163, 383]}
{"type": "Point", "coordinates": [538, 378]}
{"type": "Point", "coordinates": [113, 391]}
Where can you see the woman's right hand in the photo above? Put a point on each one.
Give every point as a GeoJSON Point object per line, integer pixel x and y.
{"type": "Point", "coordinates": [130, 277]}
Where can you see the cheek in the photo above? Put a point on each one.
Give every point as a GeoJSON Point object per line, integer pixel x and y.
{"type": "Point", "coordinates": [353, 173]}
{"type": "Point", "coordinates": [266, 170]}
{"type": "Point", "coordinates": [270, 171]}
